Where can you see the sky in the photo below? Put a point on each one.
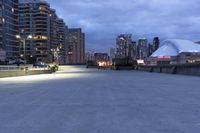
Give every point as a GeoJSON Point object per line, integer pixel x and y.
{"type": "Point", "coordinates": [103, 20]}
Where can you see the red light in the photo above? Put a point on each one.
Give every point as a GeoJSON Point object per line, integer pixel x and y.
{"type": "Point", "coordinates": [164, 57]}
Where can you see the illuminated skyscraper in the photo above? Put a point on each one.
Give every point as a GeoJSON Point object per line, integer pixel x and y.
{"type": "Point", "coordinates": [35, 21]}
{"type": "Point", "coordinates": [9, 28]}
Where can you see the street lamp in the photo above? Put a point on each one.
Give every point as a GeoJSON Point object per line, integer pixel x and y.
{"type": "Point", "coordinates": [23, 39]}
{"type": "Point", "coordinates": [29, 37]}
{"type": "Point", "coordinates": [18, 36]}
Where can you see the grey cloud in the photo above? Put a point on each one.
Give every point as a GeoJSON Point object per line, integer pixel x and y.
{"type": "Point", "coordinates": [102, 20]}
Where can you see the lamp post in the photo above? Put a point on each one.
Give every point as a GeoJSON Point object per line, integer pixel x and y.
{"type": "Point", "coordinates": [23, 40]}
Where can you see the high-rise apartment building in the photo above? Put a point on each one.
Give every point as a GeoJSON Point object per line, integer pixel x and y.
{"type": "Point", "coordinates": [82, 47]}
{"type": "Point", "coordinates": [75, 46]}
{"type": "Point", "coordinates": [35, 21]}
{"type": "Point", "coordinates": [58, 37]}
{"type": "Point", "coordinates": [123, 42]}
{"type": "Point", "coordinates": [126, 47]}
{"type": "Point", "coordinates": [154, 46]}
{"type": "Point", "coordinates": [54, 36]}
{"type": "Point", "coordinates": [30, 29]}
{"type": "Point", "coordinates": [133, 50]}
{"type": "Point", "coordinates": [112, 53]}
{"type": "Point", "coordinates": [9, 28]}
{"type": "Point", "coordinates": [150, 49]}
{"type": "Point", "coordinates": [62, 41]}
{"type": "Point", "coordinates": [156, 43]}
{"type": "Point", "coordinates": [142, 48]}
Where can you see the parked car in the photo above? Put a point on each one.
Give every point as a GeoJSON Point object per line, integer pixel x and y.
{"type": "Point", "coordinates": [10, 62]}
{"type": "Point", "coordinates": [20, 61]}
{"type": "Point", "coordinates": [40, 64]}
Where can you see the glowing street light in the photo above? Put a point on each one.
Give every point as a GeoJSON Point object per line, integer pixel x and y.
{"type": "Point", "coordinates": [29, 37]}
{"type": "Point", "coordinates": [18, 36]}
{"type": "Point", "coordinates": [23, 39]}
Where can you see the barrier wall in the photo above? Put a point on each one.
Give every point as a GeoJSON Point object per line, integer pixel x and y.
{"type": "Point", "coordinates": [15, 73]}
{"type": "Point", "coordinates": [187, 69]}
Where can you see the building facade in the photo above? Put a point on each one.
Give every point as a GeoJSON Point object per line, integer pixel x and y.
{"type": "Point", "coordinates": [112, 53]}
{"type": "Point", "coordinates": [101, 57]}
{"type": "Point", "coordinates": [156, 44]}
{"type": "Point", "coordinates": [58, 38]}
{"type": "Point", "coordinates": [35, 21]}
{"type": "Point", "coordinates": [133, 50]}
{"type": "Point", "coordinates": [54, 36]}
{"type": "Point", "coordinates": [75, 46]}
{"type": "Point", "coordinates": [126, 47]}
{"type": "Point", "coordinates": [48, 30]}
{"type": "Point", "coordinates": [123, 42]}
{"type": "Point", "coordinates": [176, 51]}
{"type": "Point", "coordinates": [31, 30]}
{"type": "Point", "coordinates": [142, 48]}
{"type": "Point", "coordinates": [9, 28]}
{"type": "Point", "coordinates": [62, 29]}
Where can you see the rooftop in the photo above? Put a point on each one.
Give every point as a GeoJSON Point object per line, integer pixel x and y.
{"type": "Point", "coordinates": [174, 47]}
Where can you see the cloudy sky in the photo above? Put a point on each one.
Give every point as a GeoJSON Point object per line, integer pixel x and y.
{"type": "Point", "coordinates": [103, 20]}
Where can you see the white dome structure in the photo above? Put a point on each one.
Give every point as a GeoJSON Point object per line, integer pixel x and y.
{"type": "Point", "coordinates": [174, 47]}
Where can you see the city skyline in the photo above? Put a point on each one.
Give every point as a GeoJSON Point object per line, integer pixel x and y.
{"type": "Point", "coordinates": [104, 20]}
{"type": "Point", "coordinates": [99, 66]}
{"type": "Point", "coordinates": [31, 32]}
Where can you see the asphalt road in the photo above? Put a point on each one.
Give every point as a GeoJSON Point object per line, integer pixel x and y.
{"type": "Point", "coordinates": [76, 100]}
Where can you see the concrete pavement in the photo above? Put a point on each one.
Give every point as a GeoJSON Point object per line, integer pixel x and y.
{"type": "Point", "coordinates": [79, 100]}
